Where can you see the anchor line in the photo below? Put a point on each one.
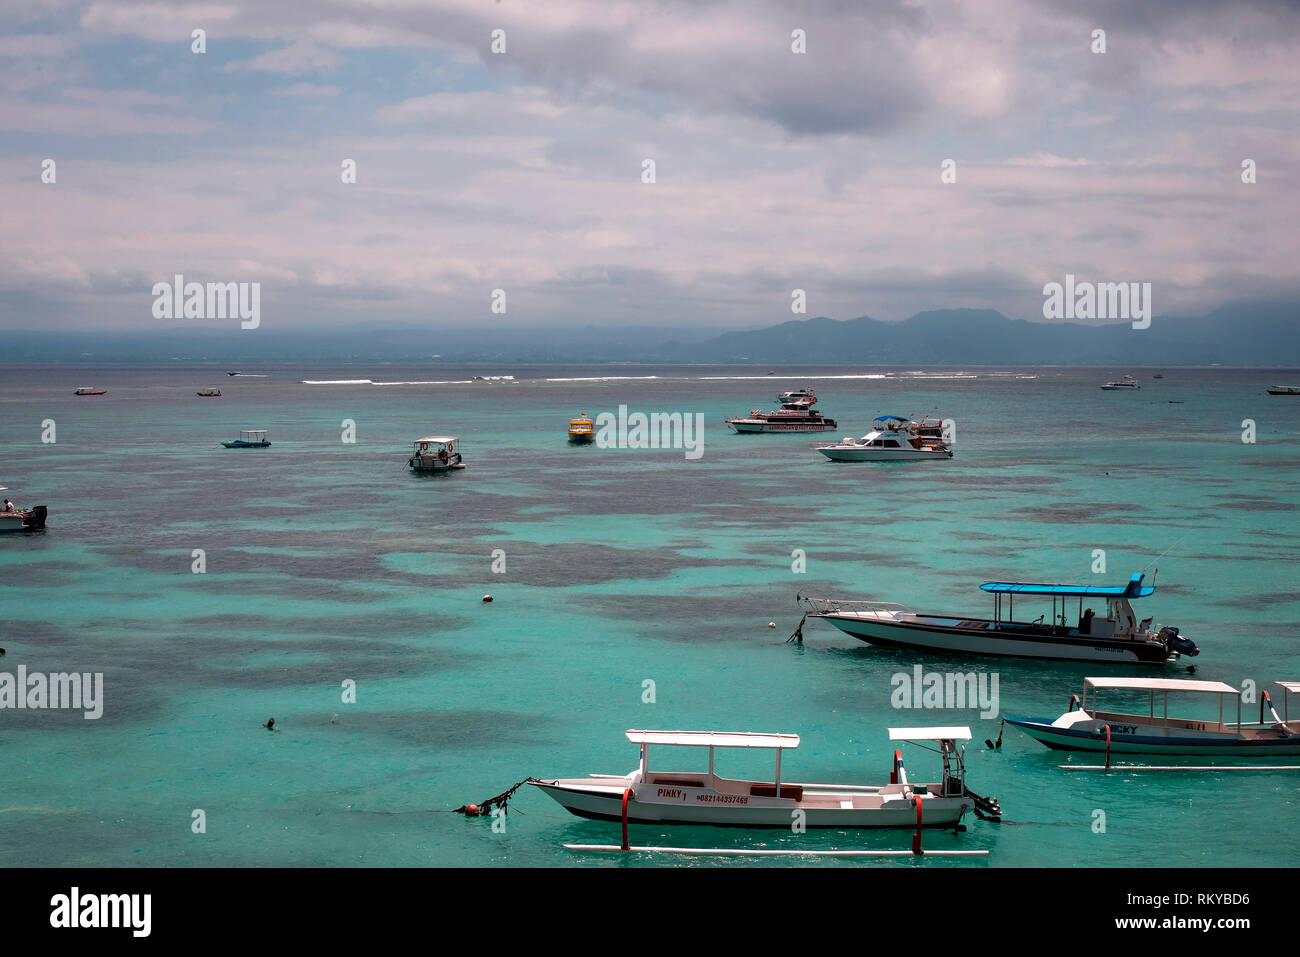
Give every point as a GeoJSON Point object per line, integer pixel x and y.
{"type": "Point", "coordinates": [501, 800]}
{"type": "Point", "coordinates": [1164, 553]}
{"type": "Point", "coordinates": [798, 632]}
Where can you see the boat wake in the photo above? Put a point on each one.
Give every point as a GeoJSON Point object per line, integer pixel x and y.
{"type": "Point", "coordinates": [373, 382]}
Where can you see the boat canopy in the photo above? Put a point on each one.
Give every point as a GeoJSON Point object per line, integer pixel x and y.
{"type": "Point", "coordinates": [929, 734]}
{"type": "Point", "coordinates": [1161, 684]}
{"type": "Point", "coordinates": [887, 418]}
{"type": "Point", "coordinates": [1291, 686]}
{"type": "Point", "coordinates": [441, 439]}
{"type": "Point", "coordinates": [715, 739]}
{"type": "Point", "coordinates": [243, 432]}
{"type": "Point", "coordinates": [1134, 589]}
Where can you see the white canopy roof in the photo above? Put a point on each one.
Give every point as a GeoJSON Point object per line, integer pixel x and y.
{"type": "Point", "coordinates": [929, 734]}
{"type": "Point", "coordinates": [1292, 686]}
{"type": "Point", "coordinates": [714, 739]}
{"type": "Point", "coordinates": [1161, 684]}
{"type": "Point", "coordinates": [438, 438]}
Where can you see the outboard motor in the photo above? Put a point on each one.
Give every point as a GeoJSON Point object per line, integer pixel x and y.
{"type": "Point", "coordinates": [36, 517]}
{"type": "Point", "coordinates": [1176, 642]}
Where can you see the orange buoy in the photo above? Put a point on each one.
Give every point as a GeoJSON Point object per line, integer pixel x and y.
{"type": "Point", "coordinates": [471, 810]}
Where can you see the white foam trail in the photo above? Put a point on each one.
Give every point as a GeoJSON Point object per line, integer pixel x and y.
{"type": "Point", "coordinates": [604, 378]}
{"type": "Point", "coordinates": [429, 382]}
{"type": "Point", "coordinates": [779, 378]}
{"type": "Point", "coordinates": [372, 382]}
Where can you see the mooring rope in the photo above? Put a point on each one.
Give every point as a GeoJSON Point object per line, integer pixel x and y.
{"type": "Point", "coordinates": [485, 807]}
{"type": "Point", "coordinates": [798, 632]}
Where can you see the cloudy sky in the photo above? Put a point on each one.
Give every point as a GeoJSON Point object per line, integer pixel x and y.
{"type": "Point", "coordinates": [522, 170]}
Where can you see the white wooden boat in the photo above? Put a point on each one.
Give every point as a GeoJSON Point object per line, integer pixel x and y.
{"type": "Point", "coordinates": [1118, 637]}
{"type": "Point", "coordinates": [649, 796]}
{"type": "Point", "coordinates": [1084, 727]}
{"type": "Point", "coordinates": [436, 453]}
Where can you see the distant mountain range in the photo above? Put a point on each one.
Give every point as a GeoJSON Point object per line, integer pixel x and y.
{"type": "Point", "coordinates": [1237, 334]}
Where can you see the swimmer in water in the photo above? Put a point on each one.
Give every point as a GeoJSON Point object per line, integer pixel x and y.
{"type": "Point", "coordinates": [270, 726]}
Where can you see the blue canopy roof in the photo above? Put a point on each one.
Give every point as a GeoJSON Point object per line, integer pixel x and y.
{"type": "Point", "coordinates": [1134, 589]}
{"type": "Point", "coordinates": [885, 418]}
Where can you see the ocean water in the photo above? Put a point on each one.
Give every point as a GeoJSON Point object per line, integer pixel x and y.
{"type": "Point", "coordinates": [328, 562]}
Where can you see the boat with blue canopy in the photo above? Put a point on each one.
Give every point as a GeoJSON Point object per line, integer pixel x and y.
{"type": "Point", "coordinates": [1073, 632]}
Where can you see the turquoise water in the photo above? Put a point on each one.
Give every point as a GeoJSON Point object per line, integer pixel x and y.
{"type": "Point", "coordinates": [328, 561]}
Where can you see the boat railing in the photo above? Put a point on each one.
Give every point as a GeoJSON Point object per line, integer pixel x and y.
{"type": "Point", "coordinates": [824, 606]}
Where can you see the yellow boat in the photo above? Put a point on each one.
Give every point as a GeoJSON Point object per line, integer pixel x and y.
{"type": "Point", "coordinates": [581, 430]}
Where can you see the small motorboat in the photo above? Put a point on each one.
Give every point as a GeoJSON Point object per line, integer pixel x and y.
{"type": "Point", "coordinates": [1086, 728]}
{"type": "Point", "coordinates": [1284, 390]}
{"type": "Point", "coordinates": [581, 430]}
{"type": "Point", "coordinates": [14, 519]}
{"type": "Point", "coordinates": [234, 373]}
{"type": "Point", "coordinates": [895, 438]}
{"type": "Point", "coordinates": [87, 390]}
{"type": "Point", "coordinates": [209, 394]}
{"type": "Point", "coordinates": [436, 453]}
{"type": "Point", "coordinates": [249, 439]}
{"type": "Point", "coordinates": [807, 396]}
{"type": "Point", "coordinates": [1128, 382]}
{"type": "Point", "coordinates": [1118, 637]}
{"type": "Point", "coordinates": [646, 796]}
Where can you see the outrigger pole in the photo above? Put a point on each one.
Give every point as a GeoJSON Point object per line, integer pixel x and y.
{"type": "Point", "coordinates": [753, 851]}
{"type": "Point", "coordinates": [916, 850]}
{"type": "Point", "coordinates": [1179, 767]}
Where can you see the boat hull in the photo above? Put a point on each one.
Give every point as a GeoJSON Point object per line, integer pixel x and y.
{"type": "Point", "coordinates": [883, 455]}
{"type": "Point", "coordinates": [700, 806]}
{"type": "Point", "coordinates": [29, 521]}
{"type": "Point", "coordinates": [980, 640]}
{"type": "Point", "coordinates": [246, 445]}
{"type": "Point", "coordinates": [1151, 739]}
{"type": "Point", "coordinates": [753, 426]}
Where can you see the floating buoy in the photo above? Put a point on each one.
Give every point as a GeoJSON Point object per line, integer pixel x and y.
{"type": "Point", "coordinates": [771, 624]}
{"type": "Point", "coordinates": [486, 599]}
{"type": "Point", "coordinates": [471, 810]}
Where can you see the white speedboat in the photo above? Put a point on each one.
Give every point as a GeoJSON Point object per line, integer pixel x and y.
{"type": "Point", "coordinates": [436, 453]}
{"type": "Point", "coordinates": [894, 439]}
{"type": "Point", "coordinates": [1128, 382]}
{"type": "Point", "coordinates": [1086, 728]}
{"type": "Point", "coordinates": [14, 519]}
{"type": "Point", "coordinates": [648, 796]}
{"type": "Point", "coordinates": [1118, 637]}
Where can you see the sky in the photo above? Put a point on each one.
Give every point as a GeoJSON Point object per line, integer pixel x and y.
{"type": "Point", "coordinates": [522, 170]}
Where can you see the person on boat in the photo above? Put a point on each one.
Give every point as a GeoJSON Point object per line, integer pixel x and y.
{"type": "Point", "coordinates": [442, 456]}
{"type": "Point", "coordinates": [1085, 623]}
{"type": "Point", "coordinates": [9, 506]}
